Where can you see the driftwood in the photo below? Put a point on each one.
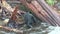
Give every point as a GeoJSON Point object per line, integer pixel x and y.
{"type": "Point", "coordinates": [11, 29]}
{"type": "Point", "coordinates": [43, 11]}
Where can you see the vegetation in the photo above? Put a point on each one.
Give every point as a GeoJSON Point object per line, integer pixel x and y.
{"type": "Point", "coordinates": [51, 2]}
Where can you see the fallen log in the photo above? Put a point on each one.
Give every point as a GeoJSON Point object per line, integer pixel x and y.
{"type": "Point", "coordinates": [52, 13]}
{"type": "Point", "coordinates": [40, 9]}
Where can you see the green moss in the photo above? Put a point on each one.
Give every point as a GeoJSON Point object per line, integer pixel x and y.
{"type": "Point", "coordinates": [51, 2]}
